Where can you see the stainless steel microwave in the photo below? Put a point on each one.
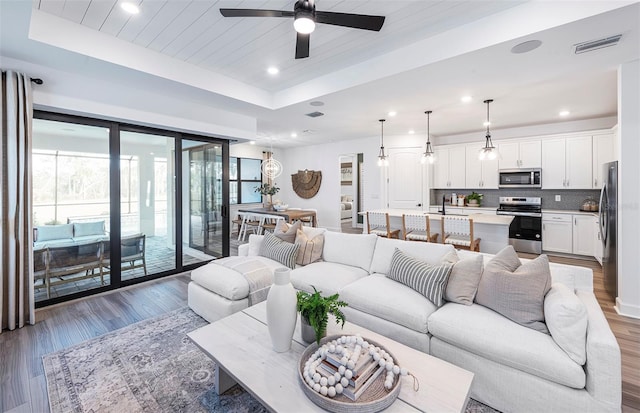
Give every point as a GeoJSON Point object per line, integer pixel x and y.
{"type": "Point", "coordinates": [520, 178]}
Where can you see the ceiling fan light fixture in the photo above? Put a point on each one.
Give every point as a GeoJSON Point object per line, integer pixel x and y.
{"type": "Point", "coordinates": [383, 159]}
{"type": "Point", "coordinates": [304, 23]}
{"type": "Point", "coordinates": [427, 156]}
{"type": "Point", "coordinates": [489, 152]}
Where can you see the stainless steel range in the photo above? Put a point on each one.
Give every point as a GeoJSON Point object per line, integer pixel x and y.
{"type": "Point", "coordinates": [525, 231]}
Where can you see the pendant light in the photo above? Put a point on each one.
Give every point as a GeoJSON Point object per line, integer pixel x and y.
{"type": "Point", "coordinates": [382, 158]}
{"type": "Point", "coordinates": [489, 152]}
{"type": "Point", "coordinates": [428, 156]}
{"type": "Point", "coordinates": [271, 167]}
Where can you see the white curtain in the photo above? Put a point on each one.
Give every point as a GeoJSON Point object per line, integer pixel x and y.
{"type": "Point", "coordinates": [17, 303]}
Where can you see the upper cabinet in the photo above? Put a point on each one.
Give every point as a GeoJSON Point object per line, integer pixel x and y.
{"type": "Point", "coordinates": [604, 150]}
{"type": "Point", "coordinates": [449, 167]}
{"type": "Point", "coordinates": [480, 174]}
{"type": "Point", "coordinates": [520, 154]}
{"type": "Point", "coordinates": [567, 163]}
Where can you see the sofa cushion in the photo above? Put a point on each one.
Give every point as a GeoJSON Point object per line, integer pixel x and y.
{"type": "Point", "coordinates": [328, 277]}
{"type": "Point", "coordinates": [349, 249]}
{"type": "Point", "coordinates": [287, 232]}
{"type": "Point", "coordinates": [464, 278]}
{"type": "Point", "coordinates": [310, 248]}
{"type": "Point", "coordinates": [276, 249]}
{"type": "Point", "coordinates": [566, 318]}
{"type": "Point", "coordinates": [486, 333]}
{"type": "Point", "coordinates": [389, 300]}
{"type": "Point", "coordinates": [516, 291]}
{"type": "Point", "coordinates": [429, 252]}
{"type": "Point", "coordinates": [429, 280]}
{"type": "Point", "coordinates": [83, 229]}
{"type": "Point", "coordinates": [54, 232]}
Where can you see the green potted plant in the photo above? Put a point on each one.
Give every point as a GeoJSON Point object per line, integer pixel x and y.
{"type": "Point", "coordinates": [474, 199]}
{"type": "Point", "coordinates": [267, 190]}
{"type": "Point", "coordinates": [314, 312]}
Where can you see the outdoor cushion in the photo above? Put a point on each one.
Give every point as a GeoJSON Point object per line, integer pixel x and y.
{"type": "Point", "coordinates": [83, 229]}
{"type": "Point", "coordinates": [54, 232]}
{"type": "Point", "coordinates": [429, 252]}
{"type": "Point", "coordinates": [486, 333]}
{"type": "Point", "coordinates": [328, 277]}
{"type": "Point", "coordinates": [390, 300]}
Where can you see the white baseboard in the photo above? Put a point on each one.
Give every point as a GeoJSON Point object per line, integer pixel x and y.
{"type": "Point", "coordinates": [627, 310]}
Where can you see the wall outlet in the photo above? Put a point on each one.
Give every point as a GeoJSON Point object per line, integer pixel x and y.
{"type": "Point", "coordinates": [558, 198]}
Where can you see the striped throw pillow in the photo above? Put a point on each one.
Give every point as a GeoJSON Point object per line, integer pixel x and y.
{"type": "Point", "coordinates": [278, 250]}
{"type": "Point", "coordinates": [429, 280]}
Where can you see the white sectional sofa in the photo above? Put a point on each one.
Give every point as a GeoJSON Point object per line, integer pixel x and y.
{"type": "Point", "coordinates": [517, 369]}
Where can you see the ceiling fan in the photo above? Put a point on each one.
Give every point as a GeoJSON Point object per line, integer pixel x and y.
{"type": "Point", "coordinates": [305, 19]}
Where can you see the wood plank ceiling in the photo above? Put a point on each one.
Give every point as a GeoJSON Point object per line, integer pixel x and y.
{"type": "Point", "coordinates": [193, 31]}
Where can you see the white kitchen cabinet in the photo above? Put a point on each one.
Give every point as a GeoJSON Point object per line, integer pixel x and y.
{"type": "Point", "coordinates": [449, 167]}
{"type": "Point", "coordinates": [604, 150]}
{"type": "Point", "coordinates": [598, 249]}
{"type": "Point", "coordinates": [583, 235]}
{"type": "Point", "coordinates": [567, 163]}
{"type": "Point", "coordinates": [520, 154]}
{"type": "Point", "coordinates": [557, 233]}
{"type": "Point", "coordinates": [480, 174]}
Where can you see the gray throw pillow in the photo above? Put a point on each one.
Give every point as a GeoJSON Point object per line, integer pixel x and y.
{"type": "Point", "coordinates": [516, 293]}
{"type": "Point", "coordinates": [464, 279]}
{"type": "Point", "coordinates": [287, 232]}
{"type": "Point", "coordinates": [278, 250]}
{"type": "Point", "coordinates": [429, 280]}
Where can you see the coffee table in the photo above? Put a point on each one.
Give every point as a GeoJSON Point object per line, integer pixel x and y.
{"type": "Point", "coordinates": [241, 347]}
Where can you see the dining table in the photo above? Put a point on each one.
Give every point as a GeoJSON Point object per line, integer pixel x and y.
{"type": "Point", "coordinates": [290, 215]}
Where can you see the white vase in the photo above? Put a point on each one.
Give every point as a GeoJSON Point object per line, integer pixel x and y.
{"type": "Point", "coordinates": [281, 310]}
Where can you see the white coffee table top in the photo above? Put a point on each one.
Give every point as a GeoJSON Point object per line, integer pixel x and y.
{"type": "Point", "coordinates": [241, 346]}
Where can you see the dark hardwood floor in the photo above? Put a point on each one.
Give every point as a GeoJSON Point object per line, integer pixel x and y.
{"type": "Point", "coordinates": [22, 383]}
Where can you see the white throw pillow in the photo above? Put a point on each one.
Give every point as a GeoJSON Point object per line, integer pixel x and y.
{"type": "Point", "coordinates": [349, 249]}
{"type": "Point", "coordinates": [255, 243]}
{"type": "Point", "coordinates": [566, 318]}
{"type": "Point", "coordinates": [310, 248]}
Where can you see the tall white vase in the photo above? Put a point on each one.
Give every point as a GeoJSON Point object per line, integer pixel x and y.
{"type": "Point", "coordinates": [281, 310]}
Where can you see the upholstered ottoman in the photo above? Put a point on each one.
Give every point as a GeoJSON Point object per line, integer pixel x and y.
{"type": "Point", "coordinates": [228, 285]}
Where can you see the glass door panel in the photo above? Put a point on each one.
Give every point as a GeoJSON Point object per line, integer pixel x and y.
{"type": "Point", "coordinates": [71, 207]}
{"type": "Point", "coordinates": [147, 202]}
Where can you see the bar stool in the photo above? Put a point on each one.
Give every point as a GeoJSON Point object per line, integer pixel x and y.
{"type": "Point", "coordinates": [415, 227]}
{"type": "Point", "coordinates": [378, 223]}
{"type": "Point", "coordinates": [458, 231]}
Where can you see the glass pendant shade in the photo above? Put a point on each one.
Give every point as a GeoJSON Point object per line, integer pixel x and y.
{"type": "Point", "coordinates": [383, 159]}
{"type": "Point", "coordinates": [489, 152]}
{"type": "Point", "coordinates": [427, 156]}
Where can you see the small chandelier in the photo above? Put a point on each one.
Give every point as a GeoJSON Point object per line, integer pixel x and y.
{"type": "Point", "coordinates": [427, 156]}
{"type": "Point", "coordinates": [489, 152]}
{"type": "Point", "coordinates": [382, 158]}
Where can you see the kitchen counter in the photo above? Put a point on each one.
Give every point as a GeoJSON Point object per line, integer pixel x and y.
{"type": "Point", "coordinates": [570, 212]}
{"type": "Point", "coordinates": [493, 230]}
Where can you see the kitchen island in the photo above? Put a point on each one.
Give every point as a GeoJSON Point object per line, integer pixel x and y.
{"type": "Point", "coordinates": [493, 230]}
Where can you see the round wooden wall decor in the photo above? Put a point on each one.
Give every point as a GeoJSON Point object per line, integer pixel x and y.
{"type": "Point", "coordinates": [306, 183]}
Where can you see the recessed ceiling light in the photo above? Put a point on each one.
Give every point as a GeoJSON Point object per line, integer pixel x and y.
{"type": "Point", "coordinates": [130, 7]}
{"type": "Point", "coordinates": [252, 142]}
{"type": "Point", "coordinates": [393, 113]}
{"type": "Point", "coordinates": [272, 70]}
{"type": "Point", "coordinates": [411, 132]}
{"type": "Point", "coordinates": [525, 47]}
{"type": "Point", "coordinates": [465, 99]}
{"type": "Point", "coordinates": [564, 113]}
{"type": "Point", "coordinates": [294, 135]}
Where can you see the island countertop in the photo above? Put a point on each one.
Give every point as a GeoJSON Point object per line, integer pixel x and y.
{"type": "Point", "coordinates": [477, 218]}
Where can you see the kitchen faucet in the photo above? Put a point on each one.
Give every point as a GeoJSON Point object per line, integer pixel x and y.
{"type": "Point", "coordinates": [443, 204]}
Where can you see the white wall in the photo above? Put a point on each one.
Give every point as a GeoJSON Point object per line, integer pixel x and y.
{"type": "Point", "coordinates": [628, 300]}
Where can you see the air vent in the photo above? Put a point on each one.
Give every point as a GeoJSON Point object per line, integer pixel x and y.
{"type": "Point", "coordinates": [315, 114]}
{"type": "Point", "coordinates": [597, 44]}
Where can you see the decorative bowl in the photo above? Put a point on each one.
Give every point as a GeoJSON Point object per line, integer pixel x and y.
{"type": "Point", "coordinates": [280, 207]}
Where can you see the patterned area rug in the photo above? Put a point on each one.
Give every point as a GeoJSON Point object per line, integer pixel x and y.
{"type": "Point", "coordinates": [150, 366]}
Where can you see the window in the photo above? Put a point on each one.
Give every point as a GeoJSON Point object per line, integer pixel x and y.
{"type": "Point", "coordinates": [242, 191]}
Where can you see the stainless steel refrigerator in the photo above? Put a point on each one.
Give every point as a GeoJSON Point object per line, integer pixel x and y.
{"type": "Point", "coordinates": [608, 227]}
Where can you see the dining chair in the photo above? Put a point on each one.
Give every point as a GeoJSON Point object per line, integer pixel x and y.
{"type": "Point", "coordinates": [415, 227]}
{"type": "Point", "coordinates": [270, 222]}
{"type": "Point", "coordinates": [378, 223]}
{"type": "Point", "coordinates": [458, 231]}
{"type": "Point", "coordinates": [249, 223]}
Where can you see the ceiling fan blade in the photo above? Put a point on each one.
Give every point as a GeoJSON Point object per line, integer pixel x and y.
{"type": "Point", "coordinates": [357, 21]}
{"type": "Point", "coordinates": [302, 45]}
{"type": "Point", "coordinates": [255, 13]}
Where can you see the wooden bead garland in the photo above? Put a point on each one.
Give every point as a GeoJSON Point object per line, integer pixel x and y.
{"type": "Point", "coordinates": [348, 350]}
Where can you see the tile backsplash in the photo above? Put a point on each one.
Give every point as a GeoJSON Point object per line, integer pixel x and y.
{"type": "Point", "coordinates": [570, 199]}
